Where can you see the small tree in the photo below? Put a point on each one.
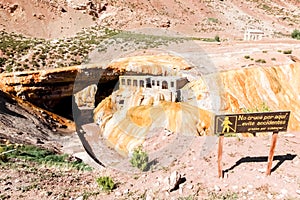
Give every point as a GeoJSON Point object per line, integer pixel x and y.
{"type": "Point", "coordinates": [296, 34]}
{"type": "Point", "coordinates": [139, 159]}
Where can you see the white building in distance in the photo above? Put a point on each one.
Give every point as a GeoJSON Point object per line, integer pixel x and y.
{"type": "Point", "coordinates": [253, 35]}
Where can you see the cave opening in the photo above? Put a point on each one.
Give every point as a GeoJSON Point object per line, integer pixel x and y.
{"type": "Point", "coordinates": [63, 106]}
{"type": "Point", "coordinates": [104, 89]}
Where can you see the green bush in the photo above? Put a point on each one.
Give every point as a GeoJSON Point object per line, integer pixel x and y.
{"type": "Point", "coordinates": [2, 61]}
{"type": "Point", "coordinates": [139, 159]}
{"type": "Point", "coordinates": [247, 57]}
{"type": "Point", "coordinates": [287, 52]}
{"type": "Point", "coordinates": [217, 38]}
{"type": "Point", "coordinates": [105, 183]}
{"type": "Point", "coordinates": [260, 61]}
{"type": "Point", "coordinates": [296, 34]}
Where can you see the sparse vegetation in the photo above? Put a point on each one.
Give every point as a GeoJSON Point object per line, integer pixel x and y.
{"type": "Point", "coordinates": [213, 20]}
{"type": "Point", "coordinates": [105, 183]}
{"type": "Point", "coordinates": [41, 52]}
{"type": "Point", "coordinates": [261, 108]}
{"type": "Point", "coordinates": [247, 57]}
{"type": "Point", "coordinates": [221, 196]}
{"type": "Point", "coordinates": [140, 159]}
{"type": "Point", "coordinates": [28, 153]}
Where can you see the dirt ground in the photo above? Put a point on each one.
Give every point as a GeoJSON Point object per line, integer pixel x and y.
{"type": "Point", "coordinates": [244, 160]}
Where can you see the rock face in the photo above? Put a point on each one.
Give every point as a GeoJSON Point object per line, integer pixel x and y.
{"type": "Point", "coordinates": [47, 88]}
{"type": "Point", "coordinates": [276, 88]}
{"type": "Point", "coordinates": [235, 91]}
{"type": "Point", "coordinates": [21, 123]}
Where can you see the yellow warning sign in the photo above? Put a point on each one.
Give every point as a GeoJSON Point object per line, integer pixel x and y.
{"type": "Point", "coordinates": [252, 122]}
{"type": "Point", "coordinates": [226, 125]}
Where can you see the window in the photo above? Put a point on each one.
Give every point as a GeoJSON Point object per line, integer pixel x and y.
{"type": "Point", "coordinates": [172, 84]}
{"type": "Point", "coordinates": [122, 81]}
{"type": "Point", "coordinates": [153, 82]}
{"type": "Point", "coordinates": [128, 81]}
{"type": "Point", "coordinates": [142, 84]}
{"type": "Point", "coordinates": [134, 83]}
{"type": "Point", "coordinates": [157, 83]}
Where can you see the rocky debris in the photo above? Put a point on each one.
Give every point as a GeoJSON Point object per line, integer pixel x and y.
{"type": "Point", "coordinates": [290, 135]}
{"type": "Point", "coordinates": [91, 7]}
{"type": "Point", "coordinates": [13, 8]}
{"type": "Point", "coordinates": [217, 188]}
{"type": "Point", "coordinates": [166, 24]}
{"type": "Point", "coordinates": [10, 8]}
{"type": "Point", "coordinates": [172, 182]}
{"type": "Point", "coordinates": [39, 16]}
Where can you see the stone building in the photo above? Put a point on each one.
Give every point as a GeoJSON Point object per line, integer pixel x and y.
{"type": "Point", "coordinates": [253, 34]}
{"type": "Point", "coordinates": [167, 87]}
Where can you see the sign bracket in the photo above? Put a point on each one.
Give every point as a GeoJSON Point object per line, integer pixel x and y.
{"type": "Point", "coordinates": [261, 122]}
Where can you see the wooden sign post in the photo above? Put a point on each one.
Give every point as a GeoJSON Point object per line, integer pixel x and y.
{"type": "Point", "coordinates": [252, 123]}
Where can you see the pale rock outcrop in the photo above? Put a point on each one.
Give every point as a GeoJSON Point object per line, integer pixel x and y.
{"type": "Point", "coordinates": [86, 96]}
{"type": "Point", "coordinates": [172, 181]}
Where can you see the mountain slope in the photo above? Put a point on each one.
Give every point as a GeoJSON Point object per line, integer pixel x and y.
{"type": "Point", "coordinates": [229, 19]}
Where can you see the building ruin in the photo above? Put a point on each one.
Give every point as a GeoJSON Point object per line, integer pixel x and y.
{"type": "Point", "coordinates": [253, 34]}
{"type": "Point", "coordinates": [168, 88]}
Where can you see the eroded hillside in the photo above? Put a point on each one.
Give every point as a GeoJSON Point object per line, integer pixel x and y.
{"type": "Point", "coordinates": [228, 19]}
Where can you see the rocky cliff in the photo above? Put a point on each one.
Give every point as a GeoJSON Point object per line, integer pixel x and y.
{"type": "Point", "coordinates": [274, 88]}
{"type": "Point", "coordinates": [49, 88]}
{"type": "Point", "coordinates": [234, 91]}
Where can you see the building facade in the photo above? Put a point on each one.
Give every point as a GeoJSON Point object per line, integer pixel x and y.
{"type": "Point", "coordinates": [253, 35]}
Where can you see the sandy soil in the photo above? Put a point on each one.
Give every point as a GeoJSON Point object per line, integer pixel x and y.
{"type": "Point", "coordinates": [245, 161]}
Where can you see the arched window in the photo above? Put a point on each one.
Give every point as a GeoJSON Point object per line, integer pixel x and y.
{"type": "Point", "coordinates": [142, 83]}
{"type": "Point", "coordinates": [164, 85]}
